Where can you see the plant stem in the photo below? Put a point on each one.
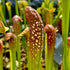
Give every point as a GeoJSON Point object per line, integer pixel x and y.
{"type": "Point", "coordinates": [24, 19]}
{"type": "Point", "coordinates": [21, 15]}
{"type": "Point", "coordinates": [10, 16]}
{"type": "Point", "coordinates": [45, 51]}
{"type": "Point", "coordinates": [24, 42]}
{"type": "Point", "coordinates": [19, 52]}
{"type": "Point", "coordinates": [49, 53]}
{"type": "Point", "coordinates": [24, 22]}
{"type": "Point", "coordinates": [2, 15]}
{"type": "Point", "coordinates": [8, 5]}
{"type": "Point", "coordinates": [3, 19]}
{"type": "Point", "coordinates": [65, 27]}
{"type": "Point", "coordinates": [24, 38]}
{"type": "Point", "coordinates": [16, 8]}
{"type": "Point", "coordinates": [28, 56]}
{"type": "Point", "coordinates": [3, 4]}
{"type": "Point", "coordinates": [34, 62]}
{"type": "Point", "coordinates": [13, 59]}
{"type": "Point", "coordinates": [29, 60]}
{"type": "Point", "coordinates": [1, 62]}
{"type": "Point", "coordinates": [12, 46]}
{"type": "Point", "coordinates": [49, 63]}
